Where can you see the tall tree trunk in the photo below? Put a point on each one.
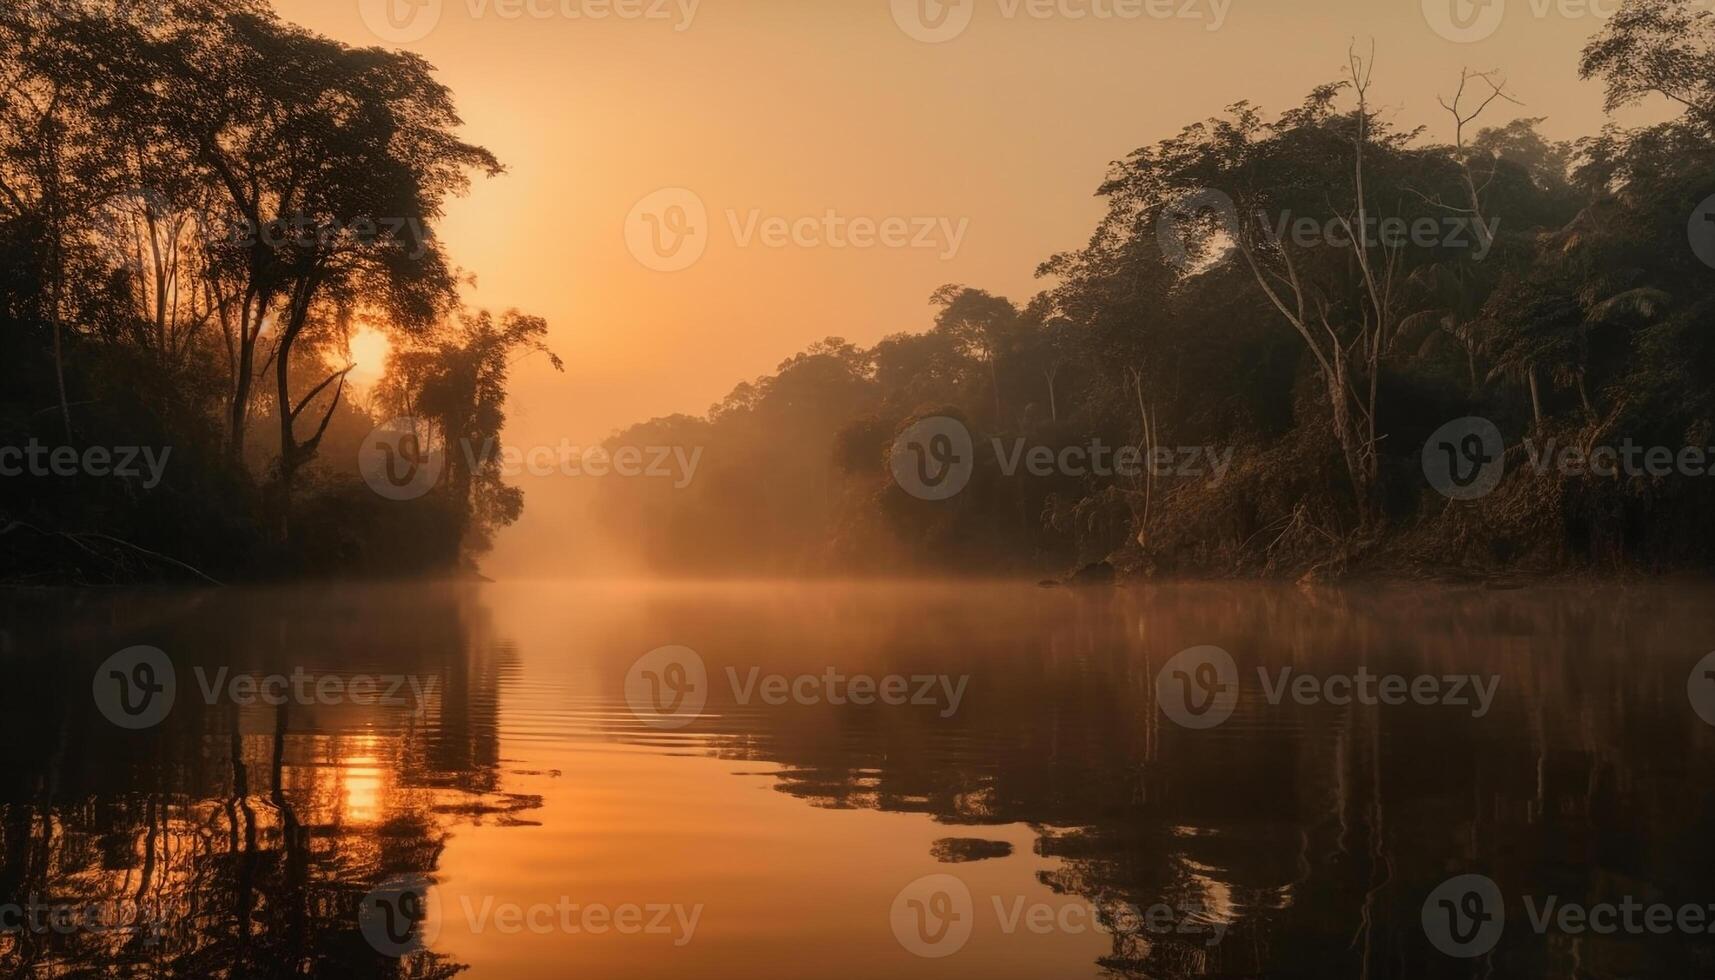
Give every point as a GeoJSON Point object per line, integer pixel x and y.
{"type": "Point", "coordinates": [1148, 470]}
{"type": "Point", "coordinates": [243, 374]}
{"type": "Point", "coordinates": [1351, 443]}
{"type": "Point", "coordinates": [56, 292]}
{"type": "Point", "coordinates": [60, 375]}
{"type": "Point", "coordinates": [236, 419]}
{"type": "Point", "coordinates": [1148, 424]}
{"type": "Point", "coordinates": [1535, 398]}
{"type": "Point", "coordinates": [288, 445]}
{"type": "Point", "coordinates": [297, 314]}
{"type": "Point", "coordinates": [294, 454]}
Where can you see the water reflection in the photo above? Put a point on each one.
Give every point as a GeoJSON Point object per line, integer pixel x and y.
{"type": "Point", "coordinates": [1309, 834]}
{"type": "Point", "coordinates": [241, 837]}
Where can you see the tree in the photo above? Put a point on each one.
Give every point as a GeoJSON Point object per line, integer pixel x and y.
{"type": "Point", "coordinates": [1340, 293]}
{"type": "Point", "coordinates": [455, 379]}
{"type": "Point", "coordinates": [194, 193]}
{"type": "Point", "coordinates": [982, 325]}
{"type": "Point", "coordinates": [326, 179]}
{"type": "Point", "coordinates": [1657, 47]}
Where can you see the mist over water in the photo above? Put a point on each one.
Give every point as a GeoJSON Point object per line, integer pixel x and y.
{"type": "Point", "coordinates": [1124, 489]}
{"type": "Point", "coordinates": [1025, 751]}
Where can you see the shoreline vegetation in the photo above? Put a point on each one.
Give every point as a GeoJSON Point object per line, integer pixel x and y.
{"type": "Point", "coordinates": [201, 206]}
{"type": "Point", "coordinates": [1552, 300]}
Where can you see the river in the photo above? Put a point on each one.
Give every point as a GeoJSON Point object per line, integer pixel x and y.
{"type": "Point", "coordinates": [889, 779]}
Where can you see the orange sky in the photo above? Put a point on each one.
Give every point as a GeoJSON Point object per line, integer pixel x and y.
{"type": "Point", "coordinates": [791, 108]}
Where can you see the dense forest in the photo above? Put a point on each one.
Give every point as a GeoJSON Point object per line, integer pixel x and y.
{"type": "Point", "coordinates": [199, 206]}
{"type": "Point", "coordinates": [1309, 295]}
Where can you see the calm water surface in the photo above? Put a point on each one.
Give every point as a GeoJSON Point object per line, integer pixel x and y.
{"type": "Point", "coordinates": [566, 832]}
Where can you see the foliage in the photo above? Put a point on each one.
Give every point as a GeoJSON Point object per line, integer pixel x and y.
{"type": "Point", "coordinates": [1567, 309]}
{"type": "Point", "coordinates": [196, 195]}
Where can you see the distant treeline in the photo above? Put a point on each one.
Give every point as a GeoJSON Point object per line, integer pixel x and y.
{"type": "Point", "coordinates": [1318, 293]}
{"type": "Point", "coordinates": [200, 205]}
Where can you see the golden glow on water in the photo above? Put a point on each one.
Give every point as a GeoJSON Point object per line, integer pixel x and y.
{"type": "Point", "coordinates": [361, 782]}
{"type": "Point", "coordinates": [775, 879]}
{"type": "Point", "coordinates": [778, 838]}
